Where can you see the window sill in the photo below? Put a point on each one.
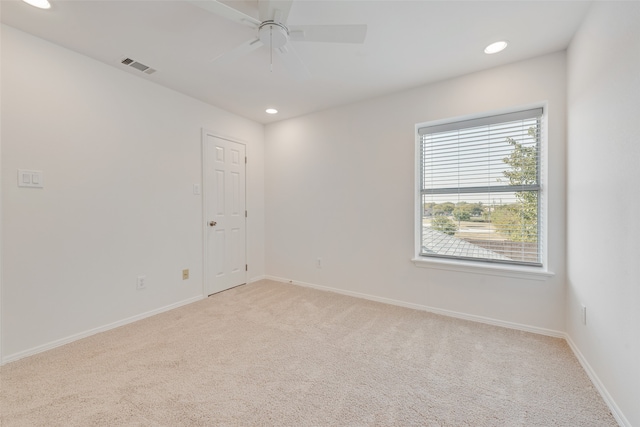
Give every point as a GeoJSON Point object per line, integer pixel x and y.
{"type": "Point", "coordinates": [518, 272]}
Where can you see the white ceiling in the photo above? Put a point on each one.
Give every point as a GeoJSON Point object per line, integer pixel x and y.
{"type": "Point", "coordinates": [408, 44]}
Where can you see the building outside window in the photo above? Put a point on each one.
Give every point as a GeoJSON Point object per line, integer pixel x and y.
{"type": "Point", "coordinates": [480, 189]}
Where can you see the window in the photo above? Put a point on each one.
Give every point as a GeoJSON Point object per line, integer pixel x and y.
{"type": "Point", "coordinates": [479, 192]}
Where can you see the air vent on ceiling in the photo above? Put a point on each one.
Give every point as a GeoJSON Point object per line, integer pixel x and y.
{"type": "Point", "coordinates": [137, 65]}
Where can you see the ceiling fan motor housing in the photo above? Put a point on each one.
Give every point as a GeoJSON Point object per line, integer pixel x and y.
{"type": "Point", "coordinates": [273, 34]}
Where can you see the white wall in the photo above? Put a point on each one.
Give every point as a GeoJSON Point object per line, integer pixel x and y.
{"type": "Point", "coordinates": [1, 262]}
{"type": "Point", "coordinates": [340, 186]}
{"type": "Point", "coordinates": [120, 156]}
{"type": "Point", "coordinates": [603, 175]}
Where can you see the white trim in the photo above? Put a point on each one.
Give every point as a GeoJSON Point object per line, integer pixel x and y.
{"type": "Point", "coordinates": [203, 200]}
{"type": "Point", "coordinates": [543, 230]}
{"type": "Point", "coordinates": [57, 343]}
{"type": "Point", "coordinates": [602, 390]}
{"type": "Point", "coordinates": [1, 251]}
{"type": "Point", "coordinates": [543, 233]}
{"type": "Point", "coordinates": [484, 120]}
{"type": "Point", "coordinates": [205, 249]}
{"type": "Point", "coordinates": [518, 272]}
{"type": "Point", "coordinates": [449, 313]}
{"type": "Point", "coordinates": [613, 407]}
{"type": "Point", "coordinates": [256, 279]}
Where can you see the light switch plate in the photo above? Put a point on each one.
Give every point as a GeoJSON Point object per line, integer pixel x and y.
{"type": "Point", "coordinates": [30, 178]}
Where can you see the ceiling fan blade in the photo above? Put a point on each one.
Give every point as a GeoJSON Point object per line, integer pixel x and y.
{"type": "Point", "coordinates": [293, 63]}
{"type": "Point", "coordinates": [225, 11]}
{"type": "Point", "coordinates": [238, 51]}
{"type": "Point", "coordinates": [328, 33]}
{"type": "Point", "coordinates": [274, 10]}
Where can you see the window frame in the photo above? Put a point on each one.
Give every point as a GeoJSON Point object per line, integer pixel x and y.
{"type": "Point", "coordinates": [536, 272]}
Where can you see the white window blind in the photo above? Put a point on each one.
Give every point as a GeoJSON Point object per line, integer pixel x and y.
{"type": "Point", "coordinates": [480, 189]}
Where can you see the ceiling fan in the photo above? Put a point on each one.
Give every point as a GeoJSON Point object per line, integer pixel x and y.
{"type": "Point", "coordinates": [273, 32]}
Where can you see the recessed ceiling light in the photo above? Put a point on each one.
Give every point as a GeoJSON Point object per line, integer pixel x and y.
{"type": "Point", "coordinates": [40, 4]}
{"type": "Point", "coordinates": [271, 111]}
{"type": "Point", "coordinates": [495, 47]}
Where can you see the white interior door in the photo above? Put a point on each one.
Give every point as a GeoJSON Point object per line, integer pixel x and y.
{"type": "Point", "coordinates": [225, 204]}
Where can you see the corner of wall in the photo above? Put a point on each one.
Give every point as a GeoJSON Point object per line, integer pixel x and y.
{"type": "Point", "coordinates": [602, 153]}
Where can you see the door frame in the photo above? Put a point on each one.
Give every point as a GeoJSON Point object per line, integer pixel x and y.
{"type": "Point", "coordinates": [205, 229]}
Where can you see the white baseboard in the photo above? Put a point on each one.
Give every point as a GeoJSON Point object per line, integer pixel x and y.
{"type": "Point", "coordinates": [75, 337]}
{"type": "Point", "coordinates": [615, 410]}
{"type": "Point", "coordinates": [449, 313]}
{"type": "Point", "coordinates": [256, 279]}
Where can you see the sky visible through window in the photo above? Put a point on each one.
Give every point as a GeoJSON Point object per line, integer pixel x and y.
{"type": "Point", "coordinates": [481, 185]}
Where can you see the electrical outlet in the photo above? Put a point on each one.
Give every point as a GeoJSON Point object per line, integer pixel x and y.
{"type": "Point", "coordinates": [141, 283]}
{"type": "Point", "coordinates": [584, 314]}
{"type": "Point", "coordinates": [185, 274]}
{"type": "Point", "coordinates": [319, 263]}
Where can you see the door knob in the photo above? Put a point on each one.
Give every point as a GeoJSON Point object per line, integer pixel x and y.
{"type": "Point", "coordinates": [212, 223]}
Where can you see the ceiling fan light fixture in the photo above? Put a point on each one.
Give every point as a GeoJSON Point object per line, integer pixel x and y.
{"type": "Point", "coordinates": [495, 47]}
{"type": "Point", "coordinates": [40, 4]}
{"type": "Point", "coordinates": [271, 111]}
{"type": "Point", "coordinates": [273, 34]}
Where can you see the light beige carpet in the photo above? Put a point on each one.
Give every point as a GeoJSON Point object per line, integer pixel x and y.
{"type": "Point", "coordinates": [274, 354]}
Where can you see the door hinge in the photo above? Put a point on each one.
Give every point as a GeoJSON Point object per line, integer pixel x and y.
{"type": "Point", "coordinates": [246, 267]}
{"type": "Point", "coordinates": [245, 214]}
{"type": "Point", "coordinates": [245, 160]}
